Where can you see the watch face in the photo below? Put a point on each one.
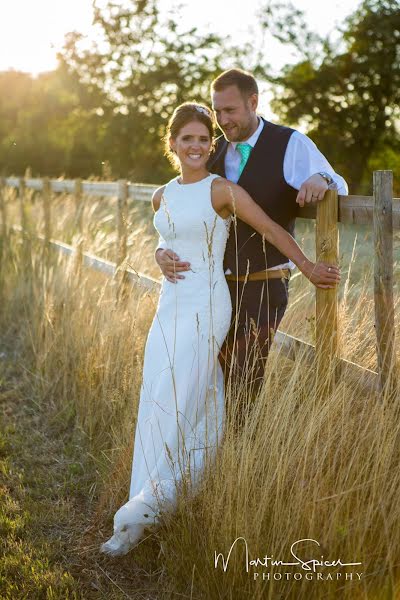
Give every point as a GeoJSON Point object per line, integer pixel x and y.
{"type": "Point", "coordinates": [326, 176]}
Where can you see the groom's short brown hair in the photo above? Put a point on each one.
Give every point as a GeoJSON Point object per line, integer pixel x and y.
{"type": "Point", "coordinates": [243, 80]}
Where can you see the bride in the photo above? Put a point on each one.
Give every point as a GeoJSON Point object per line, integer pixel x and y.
{"type": "Point", "coordinates": [181, 409]}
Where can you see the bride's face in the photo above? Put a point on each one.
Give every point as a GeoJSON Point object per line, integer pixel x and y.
{"type": "Point", "coordinates": [192, 145]}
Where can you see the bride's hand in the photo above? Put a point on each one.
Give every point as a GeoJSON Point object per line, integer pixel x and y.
{"type": "Point", "coordinates": [322, 275]}
{"type": "Point", "coordinates": [170, 265]}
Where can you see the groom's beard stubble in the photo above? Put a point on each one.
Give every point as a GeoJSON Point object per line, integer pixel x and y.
{"type": "Point", "coordinates": [239, 133]}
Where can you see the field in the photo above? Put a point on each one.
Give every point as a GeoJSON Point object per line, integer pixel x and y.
{"type": "Point", "coordinates": [310, 463]}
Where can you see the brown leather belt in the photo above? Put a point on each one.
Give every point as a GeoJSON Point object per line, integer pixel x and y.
{"type": "Point", "coordinates": [261, 275]}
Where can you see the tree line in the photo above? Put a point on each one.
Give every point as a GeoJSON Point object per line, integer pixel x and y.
{"type": "Point", "coordinates": [103, 110]}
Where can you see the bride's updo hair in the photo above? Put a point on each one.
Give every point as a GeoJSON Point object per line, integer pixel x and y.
{"type": "Point", "coordinates": [183, 114]}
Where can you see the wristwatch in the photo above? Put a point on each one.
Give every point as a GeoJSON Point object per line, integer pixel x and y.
{"type": "Point", "coordinates": [327, 178]}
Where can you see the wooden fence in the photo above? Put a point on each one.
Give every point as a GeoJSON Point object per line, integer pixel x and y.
{"type": "Point", "coordinates": [380, 211]}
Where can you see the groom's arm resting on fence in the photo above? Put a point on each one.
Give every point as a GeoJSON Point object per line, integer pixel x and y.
{"type": "Point", "coordinates": [231, 198]}
{"type": "Point", "coordinates": [169, 262]}
{"type": "Point", "coordinates": [302, 164]}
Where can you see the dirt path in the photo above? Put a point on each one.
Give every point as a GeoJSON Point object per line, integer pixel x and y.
{"type": "Point", "coordinates": [48, 533]}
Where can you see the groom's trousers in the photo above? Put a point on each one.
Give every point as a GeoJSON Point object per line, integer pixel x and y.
{"type": "Point", "coordinates": [257, 310]}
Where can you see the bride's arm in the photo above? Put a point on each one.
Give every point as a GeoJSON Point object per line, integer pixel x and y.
{"type": "Point", "coordinates": [155, 202]}
{"type": "Point", "coordinates": [232, 197]}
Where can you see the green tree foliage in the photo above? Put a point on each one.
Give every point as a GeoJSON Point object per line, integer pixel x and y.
{"type": "Point", "coordinates": [348, 93]}
{"type": "Point", "coordinates": [43, 121]}
{"type": "Point", "coordinates": [148, 66]}
{"type": "Point", "coordinates": [109, 100]}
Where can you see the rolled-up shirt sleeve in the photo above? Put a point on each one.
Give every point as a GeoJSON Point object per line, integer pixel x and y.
{"type": "Point", "coordinates": [303, 159]}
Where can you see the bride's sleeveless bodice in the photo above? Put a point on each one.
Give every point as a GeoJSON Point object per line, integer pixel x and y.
{"type": "Point", "coordinates": [188, 223]}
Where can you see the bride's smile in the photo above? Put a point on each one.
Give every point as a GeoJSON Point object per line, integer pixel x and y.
{"type": "Point", "coordinates": [192, 147]}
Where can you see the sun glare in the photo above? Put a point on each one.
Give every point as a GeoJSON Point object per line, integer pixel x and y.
{"type": "Point", "coordinates": [32, 32]}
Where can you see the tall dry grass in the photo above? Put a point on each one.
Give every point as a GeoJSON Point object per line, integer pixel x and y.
{"type": "Point", "coordinates": [309, 463]}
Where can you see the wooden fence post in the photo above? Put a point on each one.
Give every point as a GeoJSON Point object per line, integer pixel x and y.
{"type": "Point", "coordinates": [46, 191]}
{"type": "Point", "coordinates": [29, 195]}
{"type": "Point", "coordinates": [326, 317]}
{"type": "Point", "coordinates": [78, 204]}
{"type": "Point", "coordinates": [122, 210]}
{"type": "Point", "coordinates": [3, 209]}
{"type": "Point", "coordinates": [122, 234]}
{"type": "Point", "coordinates": [25, 221]}
{"type": "Point", "coordinates": [383, 279]}
{"type": "Point", "coordinates": [22, 208]}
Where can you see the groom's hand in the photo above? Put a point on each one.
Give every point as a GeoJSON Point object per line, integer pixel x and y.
{"type": "Point", "coordinates": [312, 190]}
{"type": "Point", "coordinates": [171, 265]}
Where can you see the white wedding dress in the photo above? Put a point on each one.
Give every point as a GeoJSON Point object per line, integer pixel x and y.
{"type": "Point", "coordinates": [181, 409]}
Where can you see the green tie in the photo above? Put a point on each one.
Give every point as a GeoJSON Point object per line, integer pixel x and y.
{"type": "Point", "coordinates": [244, 151]}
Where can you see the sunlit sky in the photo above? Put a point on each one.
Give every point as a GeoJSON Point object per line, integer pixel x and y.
{"type": "Point", "coordinates": [31, 32]}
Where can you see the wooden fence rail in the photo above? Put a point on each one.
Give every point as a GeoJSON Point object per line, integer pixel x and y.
{"type": "Point", "coordinates": [356, 210]}
{"type": "Point", "coordinates": [380, 211]}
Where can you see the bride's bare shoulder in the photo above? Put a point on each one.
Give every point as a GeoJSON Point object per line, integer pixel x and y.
{"type": "Point", "coordinates": [222, 188]}
{"type": "Point", "coordinates": [156, 198]}
{"type": "Point", "coordinates": [223, 183]}
{"type": "Point", "coordinates": [220, 185]}
{"type": "Point", "coordinates": [219, 182]}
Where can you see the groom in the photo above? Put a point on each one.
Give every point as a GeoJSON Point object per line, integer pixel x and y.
{"type": "Point", "coordinates": [281, 169]}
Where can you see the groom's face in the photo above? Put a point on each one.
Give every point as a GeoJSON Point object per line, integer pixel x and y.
{"type": "Point", "coordinates": [235, 113]}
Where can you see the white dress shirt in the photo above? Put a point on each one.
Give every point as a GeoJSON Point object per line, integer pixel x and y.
{"type": "Point", "coordinates": [302, 159]}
